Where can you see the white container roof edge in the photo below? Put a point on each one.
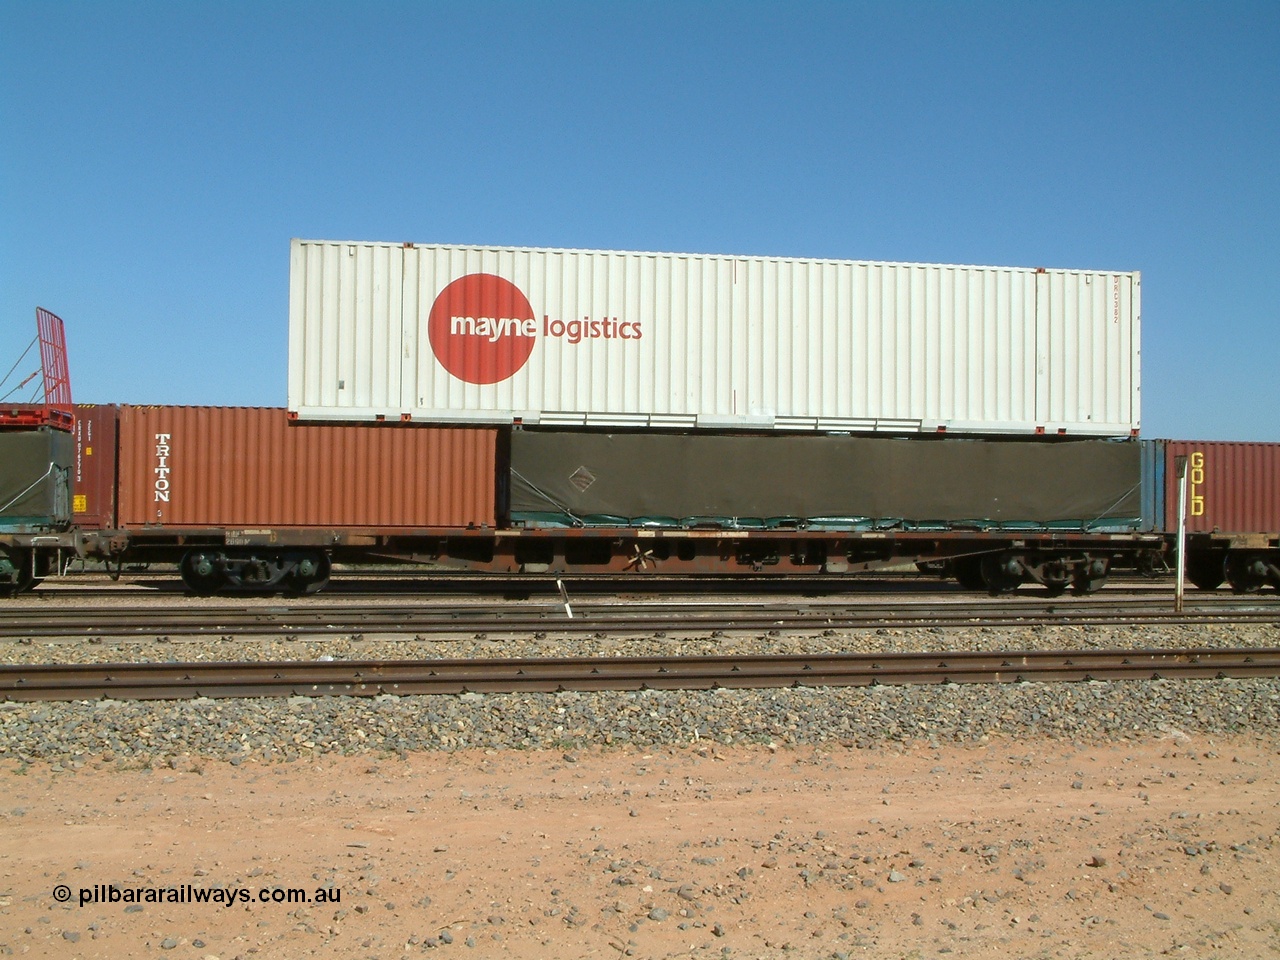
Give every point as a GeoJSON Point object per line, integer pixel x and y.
{"type": "Point", "coordinates": [759, 257]}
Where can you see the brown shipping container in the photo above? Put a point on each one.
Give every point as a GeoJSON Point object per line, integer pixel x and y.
{"type": "Point", "coordinates": [1231, 487]}
{"type": "Point", "coordinates": [249, 467]}
{"type": "Point", "coordinates": [94, 477]}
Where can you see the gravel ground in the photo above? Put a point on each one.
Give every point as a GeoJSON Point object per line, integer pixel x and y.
{"type": "Point", "coordinates": [1082, 820]}
{"type": "Point", "coordinates": [157, 733]}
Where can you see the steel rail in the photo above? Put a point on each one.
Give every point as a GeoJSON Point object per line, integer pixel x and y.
{"type": "Point", "coordinates": [426, 618]}
{"type": "Point", "coordinates": [152, 681]}
{"type": "Point", "coordinates": [438, 586]}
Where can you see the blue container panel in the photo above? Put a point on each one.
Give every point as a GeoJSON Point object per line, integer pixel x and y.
{"type": "Point", "coordinates": [1153, 467]}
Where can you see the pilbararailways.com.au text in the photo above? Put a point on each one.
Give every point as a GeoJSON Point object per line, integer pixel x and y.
{"type": "Point", "coordinates": [106, 893]}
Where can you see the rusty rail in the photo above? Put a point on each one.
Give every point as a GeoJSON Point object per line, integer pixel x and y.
{"type": "Point", "coordinates": [164, 681]}
{"type": "Point", "coordinates": [434, 618]}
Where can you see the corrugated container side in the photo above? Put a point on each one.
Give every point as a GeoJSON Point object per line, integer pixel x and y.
{"type": "Point", "coordinates": [610, 339]}
{"type": "Point", "coordinates": [1232, 487]}
{"type": "Point", "coordinates": [250, 467]}
{"type": "Point", "coordinates": [94, 476]}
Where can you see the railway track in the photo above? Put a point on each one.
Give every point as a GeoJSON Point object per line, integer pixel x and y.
{"type": "Point", "coordinates": [423, 618]}
{"type": "Point", "coordinates": [165, 681]}
{"type": "Point", "coordinates": [364, 583]}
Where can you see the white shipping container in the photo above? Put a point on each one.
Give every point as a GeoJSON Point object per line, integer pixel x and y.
{"type": "Point", "coordinates": [488, 334]}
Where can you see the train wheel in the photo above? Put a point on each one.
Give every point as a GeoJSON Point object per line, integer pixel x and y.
{"type": "Point", "coordinates": [1247, 573]}
{"type": "Point", "coordinates": [1091, 578]}
{"type": "Point", "coordinates": [310, 574]}
{"type": "Point", "coordinates": [968, 571]}
{"type": "Point", "coordinates": [1206, 570]}
{"type": "Point", "coordinates": [1084, 585]}
{"type": "Point", "coordinates": [201, 573]}
{"type": "Point", "coordinates": [22, 584]}
{"type": "Point", "coordinates": [1151, 564]}
{"type": "Point", "coordinates": [1002, 572]}
{"type": "Point", "coordinates": [15, 572]}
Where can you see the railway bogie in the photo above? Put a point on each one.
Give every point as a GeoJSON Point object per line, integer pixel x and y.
{"type": "Point", "coordinates": [1054, 570]}
{"type": "Point", "coordinates": [206, 570]}
{"type": "Point", "coordinates": [1245, 567]}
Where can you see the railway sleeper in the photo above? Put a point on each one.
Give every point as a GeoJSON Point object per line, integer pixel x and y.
{"type": "Point", "coordinates": [209, 570]}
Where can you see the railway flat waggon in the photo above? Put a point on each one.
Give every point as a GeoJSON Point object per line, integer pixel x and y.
{"type": "Point", "coordinates": [245, 497]}
{"type": "Point", "coordinates": [522, 410]}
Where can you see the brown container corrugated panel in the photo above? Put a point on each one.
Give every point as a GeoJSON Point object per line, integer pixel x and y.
{"type": "Point", "coordinates": [1231, 487]}
{"type": "Point", "coordinates": [250, 467]}
{"type": "Point", "coordinates": [93, 481]}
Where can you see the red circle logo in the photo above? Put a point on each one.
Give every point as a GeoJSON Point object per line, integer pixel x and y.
{"type": "Point", "coordinates": [482, 328]}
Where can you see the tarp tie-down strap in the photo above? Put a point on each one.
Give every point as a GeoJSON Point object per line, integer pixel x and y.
{"type": "Point", "coordinates": [1119, 500]}
{"type": "Point", "coordinates": [562, 507]}
{"type": "Point", "coordinates": [6, 377]}
{"type": "Point", "coordinates": [39, 480]}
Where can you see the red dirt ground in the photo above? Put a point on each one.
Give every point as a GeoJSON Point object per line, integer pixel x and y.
{"type": "Point", "coordinates": [1009, 849]}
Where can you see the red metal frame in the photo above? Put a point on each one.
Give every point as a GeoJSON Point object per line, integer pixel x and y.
{"type": "Point", "coordinates": [53, 359]}
{"type": "Point", "coordinates": [56, 411]}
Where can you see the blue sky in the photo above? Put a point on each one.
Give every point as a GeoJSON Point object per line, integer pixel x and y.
{"type": "Point", "coordinates": [156, 158]}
